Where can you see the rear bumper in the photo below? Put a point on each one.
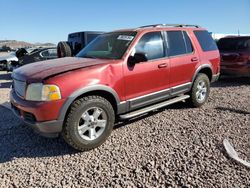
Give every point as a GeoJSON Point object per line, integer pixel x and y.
{"type": "Point", "coordinates": [29, 113]}
{"type": "Point", "coordinates": [245, 71]}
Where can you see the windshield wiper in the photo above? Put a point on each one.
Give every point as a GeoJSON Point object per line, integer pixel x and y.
{"type": "Point", "coordinates": [89, 56]}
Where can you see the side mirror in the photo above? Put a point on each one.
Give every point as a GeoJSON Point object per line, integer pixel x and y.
{"type": "Point", "coordinates": [137, 58]}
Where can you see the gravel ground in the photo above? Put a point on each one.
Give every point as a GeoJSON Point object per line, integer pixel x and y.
{"type": "Point", "coordinates": [176, 146]}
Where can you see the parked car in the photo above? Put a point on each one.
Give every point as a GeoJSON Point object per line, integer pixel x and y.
{"type": "Point", "coordinates": [120, 75]}
{"type": "Point", "coordinates": [235, 55]}
{"type": "Point", "coordinates": [25, 56]}
{"type": "Point", "coordinates": [38, 54]}
{"type": "Point", "coordinates": [5, 61]}
{"type": "Point", "coordinates": [76, 41]}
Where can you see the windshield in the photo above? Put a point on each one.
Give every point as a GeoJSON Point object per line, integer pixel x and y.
{"type": "Point", "coordinates": [230, 44]}
{"type": "Point", "coordinates": [108, 46]}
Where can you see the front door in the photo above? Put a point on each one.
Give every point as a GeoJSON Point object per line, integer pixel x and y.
{"type": "Point", "coordinates": [147, 82]}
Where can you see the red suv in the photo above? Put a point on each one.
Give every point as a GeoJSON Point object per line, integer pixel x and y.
{"type": "Point", "coordinates": [235, 55]}
{"type": "Point", "coordinates": [121, 74]}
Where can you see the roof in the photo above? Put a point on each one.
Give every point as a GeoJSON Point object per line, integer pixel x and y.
{"type": "Point", "coordinates": [160, 26]}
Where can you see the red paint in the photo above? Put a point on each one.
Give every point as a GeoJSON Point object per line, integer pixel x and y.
{"type": "Point", "coordinates": [71, 74]}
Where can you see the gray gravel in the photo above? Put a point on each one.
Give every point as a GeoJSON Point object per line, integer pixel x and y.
{"type": "Point", "coordinates": [176, 146]}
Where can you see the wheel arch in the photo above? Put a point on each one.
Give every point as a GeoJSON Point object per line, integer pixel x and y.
{"type": "Point", "coordinates": [100, 90]}
{"type": "Point", "coordinates": [206, 69]}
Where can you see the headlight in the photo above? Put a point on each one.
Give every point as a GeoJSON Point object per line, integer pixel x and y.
{"type": "Point", "coordinates": [40, 92]}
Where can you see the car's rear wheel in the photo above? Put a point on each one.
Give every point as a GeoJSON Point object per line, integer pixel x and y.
{"type": "Point", "coordinates": [200, 90]}
{"type": "Point", "coordinates": [89, 123]}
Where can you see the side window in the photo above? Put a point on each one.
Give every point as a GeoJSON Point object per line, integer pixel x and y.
{"type": "Point", "coordinates": [45, 53]}
{"type": "Point", "coordinates": [52, 52]}
{"type": "Point", "coordinates": [189, 46]}
{"type": "Point", "coordinates": [206, 41]}
{"type": "Point", "coordinates": [152, 45]}
{"type": "Point", "coordinates": [176, 43]}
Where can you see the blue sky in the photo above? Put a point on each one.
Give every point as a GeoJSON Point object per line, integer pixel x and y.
{"type": "Point", "coordinates": [52, 20]}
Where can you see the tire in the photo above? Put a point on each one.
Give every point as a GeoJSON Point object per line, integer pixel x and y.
{"type": "Point", "coordinates": [85, 126]}
{"type": "Point", "coordinates": [200, 90]}
{"type": "Point", "coordinates": [63, 50]}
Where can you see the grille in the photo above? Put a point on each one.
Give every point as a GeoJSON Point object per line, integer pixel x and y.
{"type": "Point", "coordinates": [19, 87]}
{"type": "Point", "coordinates": [29, 117]}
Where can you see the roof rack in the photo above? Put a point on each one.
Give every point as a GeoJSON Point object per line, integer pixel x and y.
{"type": "Point", "coordinates": [170, 25]}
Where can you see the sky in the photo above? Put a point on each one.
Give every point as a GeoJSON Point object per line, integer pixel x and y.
{"type": "Point", "coordinates": [52, 20]}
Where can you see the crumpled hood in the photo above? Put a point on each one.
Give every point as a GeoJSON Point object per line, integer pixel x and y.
{"type": "Point", "coordinates": [36, 72]}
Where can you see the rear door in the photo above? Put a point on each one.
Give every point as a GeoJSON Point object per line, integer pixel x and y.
{"type": "Point", "coordinates": [183, 60]}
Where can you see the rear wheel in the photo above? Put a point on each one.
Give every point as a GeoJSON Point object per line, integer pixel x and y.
{"type": "Point", "coordinates": [200, 90]}
{"type": "Point", "coordinates": [89, 123]}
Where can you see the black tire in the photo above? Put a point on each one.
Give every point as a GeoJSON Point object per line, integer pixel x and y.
{"type": "Point", "coordinates": [71, 133]}
{"type": "Point", "coordinates": [197, 101]}
{"type": "Point", "coordinates": [63, 50]}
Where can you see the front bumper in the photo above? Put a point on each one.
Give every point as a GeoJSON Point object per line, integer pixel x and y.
{"type": "Point", "coordinates": [31, 113]}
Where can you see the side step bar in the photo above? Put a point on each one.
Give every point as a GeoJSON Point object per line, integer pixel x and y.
{"type": "Point", "coordinates": [154, 107]}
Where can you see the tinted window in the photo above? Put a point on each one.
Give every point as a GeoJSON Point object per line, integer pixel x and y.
{"type": "Point", "coordinates": [45, 53]}
{"type": "Point", "coordinates": [91, 37]}
{"type": "Point", "coordinates": [189, 46]}
{"type": "Point", "coordinates": [230, 44]}
{"type": "Point", "coordinates": [152, 45]}
{"type": "Point", "coordinates": [49, 53]}
{"type": "Point", "coordinates": [206, 41]}
{"type": "Point", "coordinates": [176, 43]}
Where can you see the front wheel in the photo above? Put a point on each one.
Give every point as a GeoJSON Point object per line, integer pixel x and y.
{"type": "Point", "coordinates": [89, 123]}
{"type": "Point", "coordinates": [200, 90]}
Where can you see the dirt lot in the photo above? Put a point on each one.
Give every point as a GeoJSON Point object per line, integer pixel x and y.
{"type": "Point", "coordinates": [176, 146]}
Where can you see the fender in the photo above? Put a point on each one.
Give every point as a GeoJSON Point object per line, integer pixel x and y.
{"type": "Point", "coordinates": [202, 67]}
{"type": "Point", "coordinates": [82, 91]}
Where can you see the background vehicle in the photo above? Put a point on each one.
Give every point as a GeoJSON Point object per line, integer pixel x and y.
{"type": "Point", "coordinates": [6, 61]}
{"type": "Point", "coordinates": [121, 74]}
{"type": "Point", "coordinates": [38, 54]}
{"type": "Point", "coordinates": [235, 55]}
{"type": "Point", "coordinates": [25, 56]}
{"type": "Point", "coordinates": [76, 41]}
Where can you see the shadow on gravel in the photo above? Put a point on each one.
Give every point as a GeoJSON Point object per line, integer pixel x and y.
{"type": "Point", "coordinates": [230, 81]}
{"type": "Point", "coordinates": [18, 140]}
{"type": "Point", "coordinates": [233, 110]}
{"type": "Point", "coordinates": [180, 105]}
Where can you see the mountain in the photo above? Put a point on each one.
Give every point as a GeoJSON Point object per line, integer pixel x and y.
{"type": "Point", "coordinates": [14, 44]}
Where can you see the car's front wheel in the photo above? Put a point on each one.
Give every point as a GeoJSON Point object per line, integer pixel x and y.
{"type": "Point", "coordinates": [89, 123]}
{"type": "Point", "coordinates": [200, 90]}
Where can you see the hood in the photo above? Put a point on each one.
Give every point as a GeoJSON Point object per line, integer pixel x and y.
{"type": "Point", "coordinates": [36, 72]}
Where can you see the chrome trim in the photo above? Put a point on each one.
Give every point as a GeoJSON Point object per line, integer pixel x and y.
{"type": "Point", "coordinates": [147, 95]}
{"type": "Point", "coordinates": [175, 87]}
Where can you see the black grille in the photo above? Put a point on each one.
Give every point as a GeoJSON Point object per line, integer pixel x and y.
{"type": "Point", "coordinates": [29, 117]}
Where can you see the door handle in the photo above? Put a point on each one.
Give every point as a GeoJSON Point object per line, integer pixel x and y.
{"type": "Point", "coordinates": [194, 59]}
{"type": "Point", "coordinates": [163, 65]}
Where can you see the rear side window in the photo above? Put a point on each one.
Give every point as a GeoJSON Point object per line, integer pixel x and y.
{"type": "Point", "coordinates": [189, 45]}
{"type": "Point", "coordinates": [206, 41]}
{"type": "Point", "coordinates": [152, 45]}
{"type": "Point", "coordinates": [178, 43]}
